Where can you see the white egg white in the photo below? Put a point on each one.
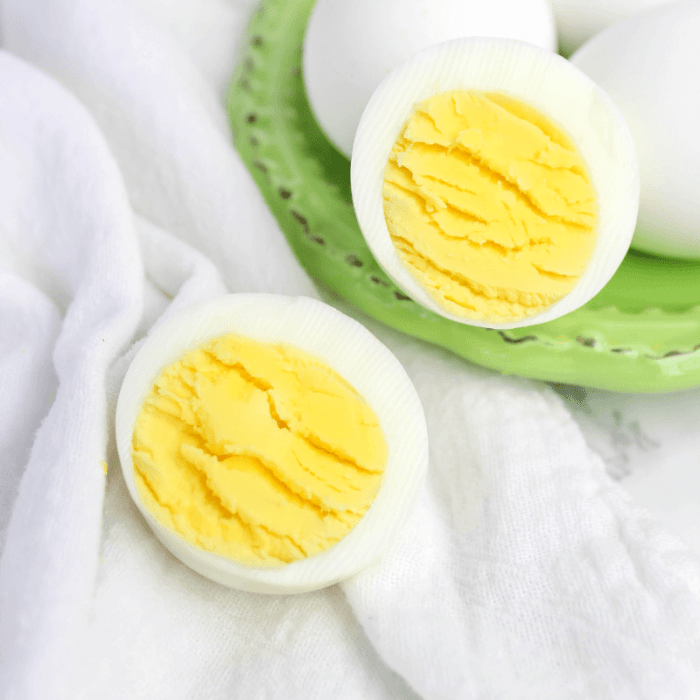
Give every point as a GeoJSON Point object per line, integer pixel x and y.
{"type": "Point", "coordinates": [351, 46]}
{"type": "Point", "coordinates": [352, 351]}
{"type": "Point", "coordinates": [547, 82]}
{"type": "Point", "coordinates": [650, 66]}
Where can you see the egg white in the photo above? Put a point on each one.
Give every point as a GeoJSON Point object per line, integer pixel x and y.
{"type": "Point", "coordinates": [545, 81]}
{"type": "Point", "coordinates": [354, 353]}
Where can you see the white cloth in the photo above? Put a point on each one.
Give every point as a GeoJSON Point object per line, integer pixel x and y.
{"type": "Point", "coordinates": [525, 572]}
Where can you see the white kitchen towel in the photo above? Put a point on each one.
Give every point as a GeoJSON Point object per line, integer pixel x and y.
{"type": "Point", "coordinates": [525, 571]}
{"type": "Point", "coordinates": [65, 210]}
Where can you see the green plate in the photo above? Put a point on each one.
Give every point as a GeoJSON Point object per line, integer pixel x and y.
{"type": "Point", "coordinates": [640, 333]}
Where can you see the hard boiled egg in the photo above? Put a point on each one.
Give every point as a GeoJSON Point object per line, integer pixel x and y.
{"type": "Point", "coordinates": [579, 20]}
{"type": "Point", "coordinates": [495, 182]}
{"type": "Point", "coordinates": [351, 46]}
{"type": "Point", "coordinates": [650, 66]}
{"type": "Point", "coordinates": [185, 393]}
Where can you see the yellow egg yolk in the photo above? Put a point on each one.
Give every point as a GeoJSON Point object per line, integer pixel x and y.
{"type": "Point", "coordinates": [261, 453]}
{"type": "Point", "coordinates": [489, 205]}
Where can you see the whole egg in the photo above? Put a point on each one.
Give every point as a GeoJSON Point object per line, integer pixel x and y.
{"type": "Point", "coordinates": [350, 47]}
{"type": "Point", "coordinates": [650, 65]}
{"type": "Point", "coordinates": [579, 20]}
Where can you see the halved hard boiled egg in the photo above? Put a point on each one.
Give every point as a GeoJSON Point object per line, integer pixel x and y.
{"type": "Point", "coordinates": [273, 444]}
{"type": "Point", "coordinates": [494, 182]}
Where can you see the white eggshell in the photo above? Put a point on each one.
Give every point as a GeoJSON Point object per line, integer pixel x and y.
{"type": "Point", "coordinates": [352, 351]}
{"type": "Point", "coordinates": [542, 79]}
{"type": "Point", "coordinates": [579, 20]}
{"type": "Point", "coordinates": [351, 45]}
{"type": "Point", "coordinates": [650, 65]}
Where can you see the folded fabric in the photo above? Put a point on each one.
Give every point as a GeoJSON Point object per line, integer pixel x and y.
{"type": "Point", "coordinates": [525, 571]}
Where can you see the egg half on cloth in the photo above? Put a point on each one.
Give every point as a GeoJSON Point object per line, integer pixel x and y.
{"type": "Point", "coordinates": [494, 182]}
{"type": "Point", "coordinates": [273, 444]}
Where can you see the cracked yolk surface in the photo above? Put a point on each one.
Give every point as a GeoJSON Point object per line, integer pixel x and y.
{"type": "Point", "coordinates": [258, 452]}
{"type": "Point", "coordinates": [489, 205]}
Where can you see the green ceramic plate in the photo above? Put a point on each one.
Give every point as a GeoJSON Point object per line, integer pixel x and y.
{"type": "Point", "coordinates": [641, 333]}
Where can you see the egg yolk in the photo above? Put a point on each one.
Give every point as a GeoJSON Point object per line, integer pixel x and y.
{"type": "Point", "coordinates": [261, 453]}
{"type": "Point", "coordinates": [489, 205]}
